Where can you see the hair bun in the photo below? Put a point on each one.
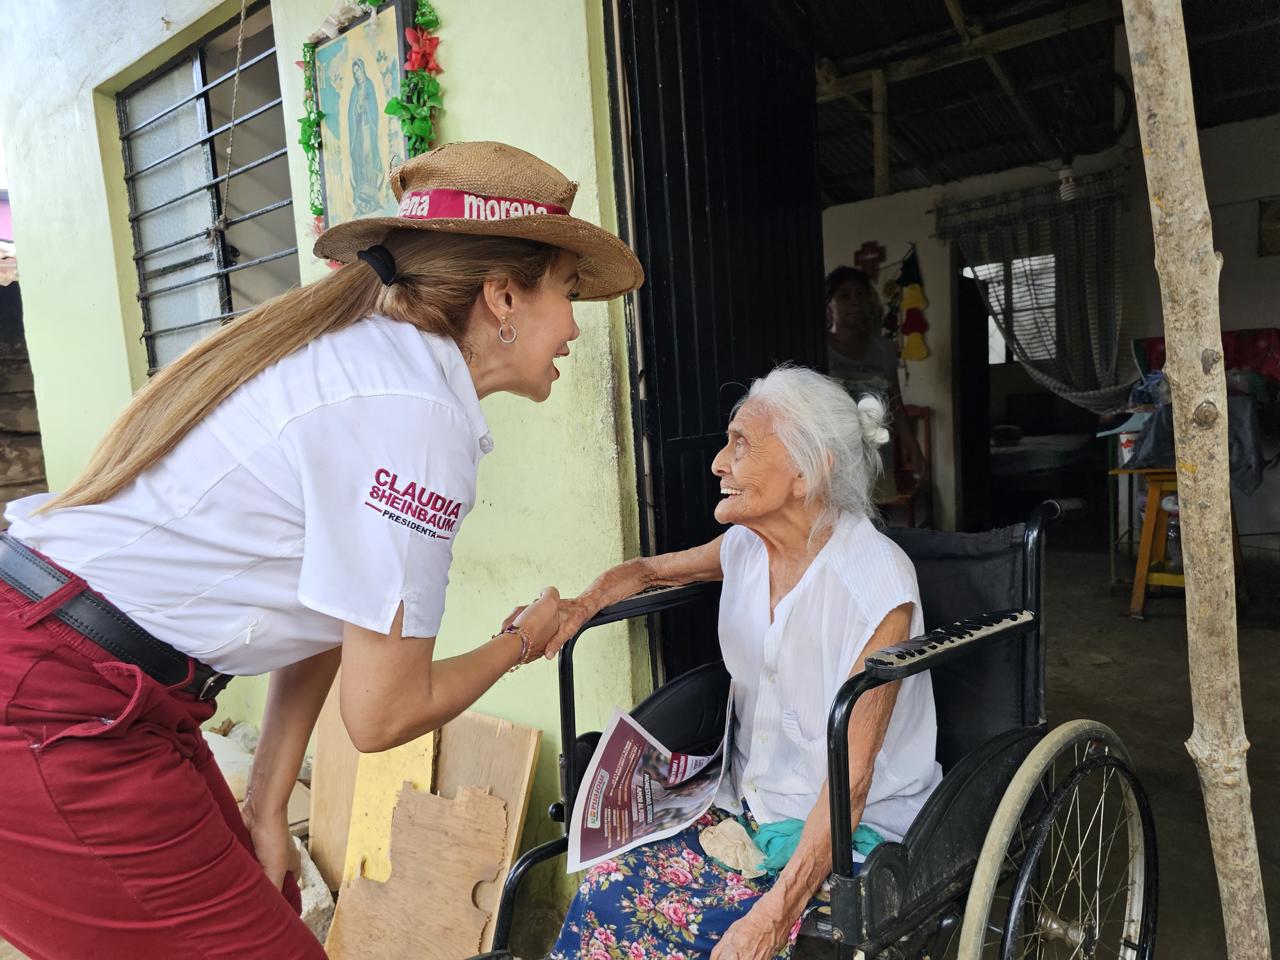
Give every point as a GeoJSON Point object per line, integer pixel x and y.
{"type": "Point", "coordinates": [873, 416]}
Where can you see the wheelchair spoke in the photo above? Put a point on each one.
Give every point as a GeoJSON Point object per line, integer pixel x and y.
{"type": "Point", "coordinates": [1080, 838]}
{"type": "Point", "coordinates": [1058, 834]}
{"type": "Point", "coordinates": [1063, 891]}
{"type": "Point", "coordinates": [1081, 870]}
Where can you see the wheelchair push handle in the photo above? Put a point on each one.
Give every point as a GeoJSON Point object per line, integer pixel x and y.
{"type": "Point", "coordinates": [1071, 508]}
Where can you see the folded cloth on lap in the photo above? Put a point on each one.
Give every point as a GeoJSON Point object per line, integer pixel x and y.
{"type": "Point", "coordinates": [730, 845]}
{"type": "Point", "coordinates": [768, 848]}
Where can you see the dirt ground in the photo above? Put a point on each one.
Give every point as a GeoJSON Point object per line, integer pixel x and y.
{"type": "Point", "coordinates": [1132, 675]}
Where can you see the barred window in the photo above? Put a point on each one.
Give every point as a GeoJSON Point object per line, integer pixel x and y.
{"type": "Point", "coordinates": [1024, 290]}
{"type": "Point", "coordinates": [212, 237]}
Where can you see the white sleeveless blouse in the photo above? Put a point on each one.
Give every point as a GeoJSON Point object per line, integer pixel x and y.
{"type": "Point", "coordinates": [786, 675]}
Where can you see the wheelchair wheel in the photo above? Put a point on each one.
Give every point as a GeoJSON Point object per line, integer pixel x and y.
{"type": "Point", "coordinates": [1068, 868]}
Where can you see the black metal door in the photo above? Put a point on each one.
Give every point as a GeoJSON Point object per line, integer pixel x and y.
{"type": "Point", "coordinates": [723, 148]}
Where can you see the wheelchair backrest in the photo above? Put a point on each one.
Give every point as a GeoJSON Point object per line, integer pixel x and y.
{"type": "Point", "coordinates": [961, 575]}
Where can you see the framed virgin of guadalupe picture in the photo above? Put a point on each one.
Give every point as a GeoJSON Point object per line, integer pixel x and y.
{"type": "Point", "coordinates": [356, 73]}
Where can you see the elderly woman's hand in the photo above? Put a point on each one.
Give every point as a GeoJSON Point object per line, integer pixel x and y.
{"type": "Point", "coordinates": [757, 936]}
{"type": "Point", "coordinates": [573, 614]}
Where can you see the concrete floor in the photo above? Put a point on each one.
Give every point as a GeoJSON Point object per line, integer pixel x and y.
{"type": "Point", "coordinates": [1133, 676]}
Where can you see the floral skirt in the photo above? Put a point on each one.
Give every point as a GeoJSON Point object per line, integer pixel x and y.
{"type": "Point", "coordinates": [663, 901]}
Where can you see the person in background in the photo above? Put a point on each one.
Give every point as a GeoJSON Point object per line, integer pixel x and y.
{"type": "Point", "coordinates": [866, 361]}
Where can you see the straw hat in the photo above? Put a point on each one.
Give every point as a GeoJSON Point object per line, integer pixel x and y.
{"type": "Point", "coordinates": [493, 190]}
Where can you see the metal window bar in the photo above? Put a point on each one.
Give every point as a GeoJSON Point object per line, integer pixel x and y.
{"type": "Point", "coordinates": [252, 61]}
{"type": "Point", "coordinates": [233, 122]}
{"type": "Point", "coordinates": [175, 267]}
{"type": "Point", "coordinates": [221, 272]}
{"type": "Point", "coordinates": [286, 202]}
{"type": "Point", "coordinates": [251, 165]}
{"type": "Point", "coordinates": [194, 57]}
{"type": "Point", "coordinates": [204, 111]}
{"type": "Point", "coordinates": [220, 318]}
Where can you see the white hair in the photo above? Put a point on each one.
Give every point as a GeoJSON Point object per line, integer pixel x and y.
{"type": "Point", "coordinates": [831, 439]}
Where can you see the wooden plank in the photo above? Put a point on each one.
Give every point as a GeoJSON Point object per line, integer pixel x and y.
{"type": "Point", "coordinates": [1138, 600]}
{"type": "Point", "coordinates": [969, 29]}
{"type": "Point", "coordinates": [496, 754]}
{"type": "Point", "coordinates": [827, 80]}
{"type": "Point", "coordinates": [880, 131]}
{"type": "Point", "coordinates": [333, 782]}
{"type": "Point", "coordinates": [440, 850]}
{"type": "Point", "coordinates": [379, 779]}
{"type": "Point", "coordinates": [979, 47]}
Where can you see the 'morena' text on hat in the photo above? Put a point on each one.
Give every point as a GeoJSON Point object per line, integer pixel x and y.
{"type": "Point", "coordinates": [443, 204]}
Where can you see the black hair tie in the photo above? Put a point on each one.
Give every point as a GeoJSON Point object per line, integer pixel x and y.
{"type": "Point", "coordinates": [383, 263]}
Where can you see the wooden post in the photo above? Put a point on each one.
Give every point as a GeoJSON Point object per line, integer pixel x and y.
{"type": "Point", "coordinates": [880, 131]}
{"type": "Point", "coordinates": [1188, 268]}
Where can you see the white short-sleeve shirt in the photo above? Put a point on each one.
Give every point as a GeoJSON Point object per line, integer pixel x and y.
{"type": "Point", "coordinates": [787, 671]}
{"type": "Point", "coordinates": [328, 488]}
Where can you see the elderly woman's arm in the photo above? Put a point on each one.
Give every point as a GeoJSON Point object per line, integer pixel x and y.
{"type": "Point", "coordinates": [759, 934]}
{"type": "Point", "coordinates": [695, 565]}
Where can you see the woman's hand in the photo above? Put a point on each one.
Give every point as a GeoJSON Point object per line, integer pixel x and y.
{"type": "Point", "coordinates": [757, 936]}
{"type": "Point", "coordinates": [573, 614]}
{"type": "Point", "coordinates": [540, 621]}
{"type": "Point", "coordinates": [273, 844]}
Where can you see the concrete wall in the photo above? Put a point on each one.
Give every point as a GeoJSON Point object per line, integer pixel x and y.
{"type": "Point", "coordinates": [556, 499]}
{"type": "Point", "coordinates": [1240, 167]}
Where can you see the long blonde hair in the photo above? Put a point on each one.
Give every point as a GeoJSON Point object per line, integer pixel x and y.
{"type": "Point", "coordinates": [439, 277]}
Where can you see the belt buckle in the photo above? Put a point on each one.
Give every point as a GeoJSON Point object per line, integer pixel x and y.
{"type": "Point", "coordinates": [207, 691]}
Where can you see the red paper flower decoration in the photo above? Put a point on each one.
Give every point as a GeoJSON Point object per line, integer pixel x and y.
{"type": "Point", "coordinates": [422, 51]}
{"type": "Point", "coordinates": [914, 322]}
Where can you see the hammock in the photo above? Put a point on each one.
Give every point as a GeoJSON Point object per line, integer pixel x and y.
{"type": "Point", "coordinates": [1045, 260]}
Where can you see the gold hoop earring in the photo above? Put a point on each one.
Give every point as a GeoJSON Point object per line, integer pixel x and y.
{"type": "Point", "coordinates": [504, 326]}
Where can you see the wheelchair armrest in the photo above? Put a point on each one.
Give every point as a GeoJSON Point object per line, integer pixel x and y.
{"type": "Point", "coordinates": [642, 604]}
{"type": "Point", "coordinates": [885, 666]}
{"type": "Point", "coordinates": [651, 601]}
{"type": "Point", "coordinates": [946, 643]}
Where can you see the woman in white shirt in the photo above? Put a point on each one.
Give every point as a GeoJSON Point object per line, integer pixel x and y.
{"type": "Point", "coordinates": [811, 587]}
{"type": "Point", "coordinates": [283, 495]}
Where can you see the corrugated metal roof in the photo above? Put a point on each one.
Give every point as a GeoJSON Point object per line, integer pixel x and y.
{"type": "Point", "coordinates": [958, 122]}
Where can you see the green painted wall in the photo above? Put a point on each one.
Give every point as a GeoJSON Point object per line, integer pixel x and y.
{"type": "Point", "coordinates": [70, 212]}
{"type": "Point", "coordinates": [557, 496]}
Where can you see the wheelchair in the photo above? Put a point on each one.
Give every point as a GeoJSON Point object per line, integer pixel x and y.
{"type": "Point", "coordinates": [1037, 843]}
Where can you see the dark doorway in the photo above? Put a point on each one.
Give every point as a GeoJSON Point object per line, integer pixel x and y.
{"type": "Point", "coordinates": [721, 142]}
{"type": "Point", "coordinates": [972, 399]}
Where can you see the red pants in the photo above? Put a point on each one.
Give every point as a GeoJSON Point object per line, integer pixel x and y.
{"type": "Point", "coordinates": [119, 837]}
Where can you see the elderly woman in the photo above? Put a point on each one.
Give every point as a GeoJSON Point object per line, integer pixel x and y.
{"type": "Point", "coordinates": [811, 587]}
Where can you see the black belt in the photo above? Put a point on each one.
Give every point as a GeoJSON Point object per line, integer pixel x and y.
{"type": "Point", "coordinates": [35, 578]}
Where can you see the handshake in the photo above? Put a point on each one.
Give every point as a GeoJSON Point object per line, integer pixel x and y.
{"type": "Point", "coordinates": [550, 621]}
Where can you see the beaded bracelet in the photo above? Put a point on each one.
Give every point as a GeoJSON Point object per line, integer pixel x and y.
{"type": "Point", "coordinates": [525, 646]}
